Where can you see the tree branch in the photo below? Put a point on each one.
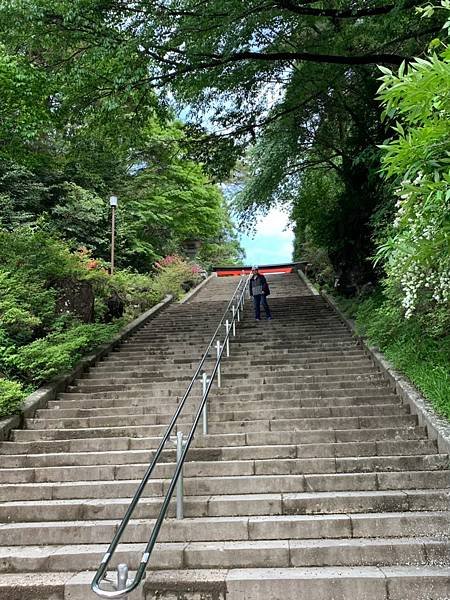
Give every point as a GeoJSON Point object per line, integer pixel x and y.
{"type": "Point", "coordinates": [337, 13]}
{"type": "Point", "coordinates": [365, 59]}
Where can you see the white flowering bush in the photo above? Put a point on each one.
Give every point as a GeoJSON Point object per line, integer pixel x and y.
{"type": "Point", "coordinates": [416, 250]}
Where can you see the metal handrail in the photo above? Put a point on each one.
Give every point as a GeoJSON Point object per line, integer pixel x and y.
{"type": "Point", "coordinates": [124, 587]}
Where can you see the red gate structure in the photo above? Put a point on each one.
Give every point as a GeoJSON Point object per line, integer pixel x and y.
{"type": "Point", "coordinates": [264, 269]}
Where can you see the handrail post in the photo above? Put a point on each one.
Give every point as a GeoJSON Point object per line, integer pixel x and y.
{"type": "Point", "coordinates": [180, 483]}
{"type": "Point", "coordinates": [233, 310]}
{"type": "Point", "coordinates": [205, 383]}
{"type": "Point", "coordinates": [227, 329]}
{"type": "Point", "coordinates": [219, 373]}
{"type": "Point", "coordinates": [122, 576]}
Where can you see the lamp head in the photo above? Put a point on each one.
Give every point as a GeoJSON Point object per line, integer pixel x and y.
{"type": "Point", "coordinates": [113, 201]}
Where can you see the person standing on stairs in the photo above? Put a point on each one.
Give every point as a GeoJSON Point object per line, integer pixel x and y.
{"type": "Point", "coordinates": [259, 290]}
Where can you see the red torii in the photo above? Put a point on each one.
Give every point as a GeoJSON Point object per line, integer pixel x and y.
{"type": "Point", "coordinates": [245, 270]}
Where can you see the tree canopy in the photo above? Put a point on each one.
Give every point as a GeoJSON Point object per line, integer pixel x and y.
{"type": "Point", "coordinates": [227, 59]}
{"type": "Point", "coordinates": [290, 84]}
{"type": "Point", "coordinates": [74, 129]}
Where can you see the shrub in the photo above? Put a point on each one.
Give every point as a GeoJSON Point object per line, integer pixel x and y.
{"type": "Point", "coordinates": [36, 341]}
{"type": "Point", "coordinates": [24, 305]}
{"type": "Point", "coordinates": [415, 251]}
{"type": "Point", "coordinates": [135, 290]}
{"type": "Point", "coordinates": [59, 351]}
{"type": "Point", "coordinates": [41, 256]}
{"type": "Point", "coordinates": [420, 351]}
{"type": "Point", "coordinates": [12, 395]}
{"type": "Point", "coordinates": [175, 276]}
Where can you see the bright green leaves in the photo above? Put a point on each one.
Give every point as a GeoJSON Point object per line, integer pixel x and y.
{"type": "Point", "coordinates": [11, 396]}
{"type": "Point", "coordinates": [163, 207]}
{"type": "Point", "coordinates": [57, 352]}
{"type": "Point", "coordinates": [24, 105]}
{"type": "Point", "coordinates": [25, 304]}
{"type": "Point", "coordinates": [82, 218]}
{"type": "Point", "coordinates": [412, 94]}
{"type": "Point", "coordinates": [416, 253]}
{"type": "Point", "coordinates": [92, 66]}
{"type": "Point", "coordinates": [226, 60]}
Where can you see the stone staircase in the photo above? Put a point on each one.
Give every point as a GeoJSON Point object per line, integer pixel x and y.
{"type": "Point", "coordinates": [314, 480]}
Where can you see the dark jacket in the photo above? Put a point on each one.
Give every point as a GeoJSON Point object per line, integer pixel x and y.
{"type": "Point", "coordinates": [264, 285]}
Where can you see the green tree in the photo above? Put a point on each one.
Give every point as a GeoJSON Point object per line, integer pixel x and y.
{"type": "Point", "coordinates": [226, 59]}
{"type": "Point", "coordinates": [82, 218]}
{"type": "Point", "coordinates": [24, 103]}
{"type": "Point", "coordinates": [65, 180]}
{"type": "Point", "coordinates": [322, 160]}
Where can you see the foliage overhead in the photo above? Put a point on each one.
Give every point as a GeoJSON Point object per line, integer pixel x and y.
{"type": "Point", "coordinates": [226, 59]}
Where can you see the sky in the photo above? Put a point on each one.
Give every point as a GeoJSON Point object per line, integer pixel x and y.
{"type": "Point", "coordinates": [273, 241]}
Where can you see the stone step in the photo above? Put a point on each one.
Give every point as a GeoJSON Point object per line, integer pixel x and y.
{"type": "Point", "coordinates": [319, 317]}
{"type": "Point", "coordinates": [158, 359]}
{"type": "Point", "coordinates": [236, 439]}
{"type": "Point", "coordinates": [327, 583]}
{"type": "Point", "coordinates": [270, 374]}
{"type": "Point", "coordinates": [223, 468]}
{"type": "Point", "coordinates": [240, 379]}
{"type": "Point", "coordinates": [302, 349]}
{"type": "Point", "coordinates": [315, 396]}
{"type": "Point", "coordinates": [287, 336]}
{"type": "Point", "coordinates": [312, 358]}
{"type": "Point", "coordinates": [244, 356]}
{"type": "Point", "coordinates": [300, 316]}
{"type": "Point", "coordinates": [174, 388]}
{"type": "Point", "coordinates": [320, 343]}
{"type": "Point", "coordinates": [217, 411]}
{"type": "Point", "coordinates": [312, 338]}
{"type": "Point", "coordinates": [160, 403]}
{"type": "Point", "coordinates": [231, 383]}
{"type": "Point", "coordinates": [261, 425]}
{"type": "Point", "coordinates": [286, 504]}
{"type": "Point", "coordinates": [332, 423]}
{"type": "Point", "coordinates": [273, 384]}
{"type": "Point", "coordinates": [251, 484]}
{"type": "Point", "coordinates": [210, 529]}
{"type": "Point", "coordinates": [224, 393]}
{"type": "Point", "coordinates": [127, 418]}
{"type": "Point", "coordinates": [309, 341]}
{"type": "Point", "coordinates": [322, 450]}
{"type": "Point", "coordinates": [170, 319]}
{"type": "Point", "coordinates": [92, 408]}
{"type": "Point", "coordinates": [233, 554]}
{"type": "Point", "coordinates": [172, 325]}
{"type": "Point", "coordinates": [318, 368]}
